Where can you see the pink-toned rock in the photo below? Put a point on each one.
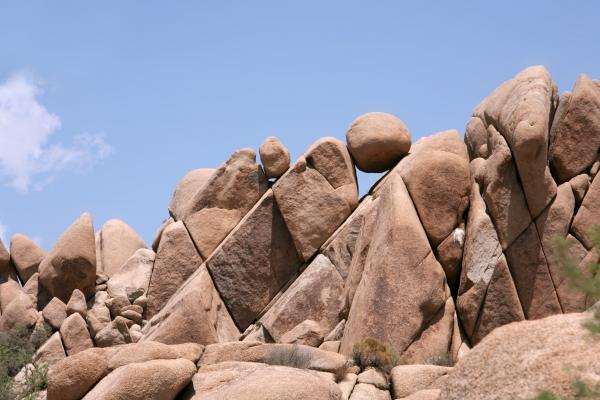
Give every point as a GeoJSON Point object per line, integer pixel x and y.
{"type": "Point", "coordinates": [588, 215]}
{"type": "Point", "coordinates": [77, 304]}
{"type": "Point", "coordinates": [579, 185]}
{"type": "Point", "coordinates": [427, 394]}
{"type": "Point", "coordinates": [195, 314]}
{"type": "Point", "coordinates": [7, 271]}
{"type": "Point", "coordinates": [520, 110]}
{"type": "Point", "coordinates": [159, 232]}
{"type": "Point", "coordinates": [449, 141]}
{"type": "Point", "coordinates": [19, 313]}
{"type": "Point", "coordinates": [377, 141]}
{"type": "Point", "coordinates": [317, 294]}
{"type": "Point", "coordinates": [402, 286]}
{"type": "Point", "coordinates": [133, 279]}
{"type": "Point", "coordinates": [311, 207]}
{"type": "Point", "coordinates": [217, 207]}
{"type": "Point", "coordinates": [187, 188]}
{"type": "Point", "coordinates": [449, 254]}
{"type": "Point", "coordinates": [307, 332]}
{"type": "Point", "coordinates": [116, 242]}
{"type": "Point", "coordinates": [75, 335]}
{"type": "Point", "coordinates": [274, 157]}
{"type": "Point", "coordinates": [365, 391]}
{"type": "Point", "coordinates": [8, 292]}
{"type": "Point", "coordinates": [576, 130]}
{"type": "Point", "coordinates": [97, 318]}
{"type": "Point", "coordinates": [157, 379]}
{"type": "Point", "coordinates": [148, 351]}
{"type": "Point", "coordinates": [476, 138]}
{"type": "Point", "coordinates": [176, 260]}
{"type": "Point", "coordinates": [256, 260]}
{"type": "Point", "coordinates": [520, 360]}
{"type": "Point", "coordinates": [71, 264]}
{"type": "Point", "coordinates": [25, 255]}
{"type": "Point", "coordinates": [51, 351]}
{"type": "Point", "coordinates": [409, 379]}
{"type": "Point", "coordinates": [55, 313]}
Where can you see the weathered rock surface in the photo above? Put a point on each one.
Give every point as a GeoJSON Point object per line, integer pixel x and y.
{"type": "Point", "coordinates": [133, 278]}
{"type": "Point", "coordinates": [51, 351]}
{"type": "Point", "coordinates": [274, 157]}
{"type": "Point", "coordinates": [55, 313]}
{"type": "Point", "coordinates": [409, 379]}
{"type": "Point", "coordinates": [115, 243]}
{"type": "Point", "coordinates": [186, 189]}
{"type": "Point", "coordinates": [77, 304]}
{"type": "Point", "coordinates": [25, 255]}
{"type": "Point", "coordinates": [377, 141]}
{"type": "Point", "coordinates": [75, 334]}
{"type": "Point", "coordinates": [19, 313]}
{"type": "Point", "coordinates": [71, 264]}
{"type": "Point", "coordinates": [7, 271]}
{"type": "Point", "coordinates": [588, 215]}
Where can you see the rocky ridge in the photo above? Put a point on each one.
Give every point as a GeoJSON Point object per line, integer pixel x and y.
{"type": "Point", "coordinates": [265, 277]}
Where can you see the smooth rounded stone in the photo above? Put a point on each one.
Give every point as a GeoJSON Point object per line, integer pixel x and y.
{"type": "Point", "coordinates": [7, 271]}
{"type": "Point", "coordinates": [134, 307]}
{"type": "Point", "coordinates": [274, 156]}
{"type": "Point", "coordinates": [476, 138]}
{"type": "Point", "coordinates": [377, 141]}
{"type": "Point", "coordinates": [142, 302]}
{"type": "Point", "coordinates": [449, 141]}
{"type": "Point", "coordinates": [594, 169]}
{"type": "Point", "coordinates": [409, 379]}
{"type": "Point", "coordinates": [254, 381]}
{"type": "Point", "coordinates": [71, 264]}
{"type": "Point", "coordinates": [580, 185]}
{"type": "Point", "coordinates": [133, 278]}
{"type": "Point", "coordinates": [428, 394]}
{"type": "Point", "coordinates": [449, 254]}
{"type": "Point", "coordinates": [55, 313]}
{"type": "Point", "coordinates": [157, 380]}
{"type": "Point", "coordinates": [364, 391]}
{"type": "Point", "coordinates": [51, 351]}
{"type": "Point", "coordinates": [20, 313]}
{"type": "Point", "coordinates": [102, 287]}
{"type": "Point", "coordinates": [159, 232]}
{"type": "Point", "coordinates": [101, 278]}
{"type": "Point", "coordinates": [576, 130]}
{"type": "Point", "coordinates": [8, 292]}
{"type": "Point", "coordinates": [110, 335]}
{"type": "Point", "coordinates": [185, 190]}
{"type": "Point", "coordinates": [374, 377]}
{"type": "Point", "coordinates": [116, 304]}
{"type": "Point", "coordinates": [116, 242]}
{"type": "Point", "coordinates": [337, 332]}
{"type": "Point", "coordinates": [333, 346]}
{"type": "Point", "coordinates": [176, 260]}
{"type": "Point", "coordinates": [32, 288]}
{"type": "Point", "coordinates": [136, 336]}
{"type": "Point", "coordinates": [148, 351]}
{"type": "Point", "coordinates": [228, 351]}
{"type": "Point", "coordinates": [25, 255]}
{"type": "Point", "coordinates": [519, 360]}
{"type": "Point", "coordinates": [132, 316]}
{"type": "Point", "coordinates": [307, 332]}
{"type": "Point", "coordinates": [99, 299]}
{"type": "Point", "coordinates": [346, 385]}
{"type": "Point", "coordinates": [72, 377]}
{"type": "Point", "coordinates": [97, 318]}
{"type": "Point", "coordinates": [77, 304]}
{"type": "Point", "coordinates": [75, 335]}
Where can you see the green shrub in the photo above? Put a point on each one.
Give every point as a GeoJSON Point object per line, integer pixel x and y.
{"type": "Point", "coordinates": [372, 353]}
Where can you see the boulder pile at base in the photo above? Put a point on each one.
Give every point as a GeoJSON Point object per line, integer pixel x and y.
{"type": "Point", "coordinates": [267, 278]}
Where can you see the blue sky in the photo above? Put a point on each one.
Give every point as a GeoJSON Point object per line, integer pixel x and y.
{"type": "Point", "coordinates": [117, 100]}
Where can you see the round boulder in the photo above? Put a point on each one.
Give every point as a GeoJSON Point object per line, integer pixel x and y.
{"type": "Point", "coordinates": [274, 157]}
{"type": "Point", "coordinates": [377, 141]}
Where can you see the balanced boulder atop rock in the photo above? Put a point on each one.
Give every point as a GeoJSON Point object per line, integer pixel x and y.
{"type": "Point", "coordinates": [25, 255]}
{"type": "Point", "coordinates": [377, 141]}
{"type": "Point", "coordinates": [115, 243]}
{"type": "Point", "coordinates": [274, 156]}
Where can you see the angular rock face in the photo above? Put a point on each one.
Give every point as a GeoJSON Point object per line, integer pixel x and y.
{"type": "Point", "coordinates": [133, 279]}
{"type": "Point", "coordinates": [255, 262]}
{"type": "Point", "coordinates": [317, 294]}
{"type": "Point", "coordinates": [176, 260]}
{"type": "Point", "coordinates": [71, 264]}
{"type": "Point", "coordinates": [25, 255]}
{"type": "Point", "coordinates": [576, 130]}
{"type": "Point", "coordinates": [75, 335]}
{"type": "Point", "coordinates": [187, 188]}
{"type": "Point", "coordinates": [401, 270]}
{"type": "Point", "coordinates": [217, 207]}
{"type": "Point", "coordinates": [588, 215]}
{"type": "Point", "coordinates": [6, 269]}
{"type": "Point", "coordinates": [115, 243]}
{"type": "Point", "coordinates": [19, 313]}
{"type": "Point", "coordinates": [195, 314]}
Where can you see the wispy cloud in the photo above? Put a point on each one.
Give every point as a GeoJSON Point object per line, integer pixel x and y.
{"type": "Point", "coordinates": [28, 160]}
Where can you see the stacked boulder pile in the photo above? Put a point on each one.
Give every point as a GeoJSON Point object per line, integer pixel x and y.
{"type": "Point", "coordinates": [266, 279]}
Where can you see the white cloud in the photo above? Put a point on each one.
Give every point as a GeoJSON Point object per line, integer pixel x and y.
{"type": "Point", "coordinates": [27, 158]}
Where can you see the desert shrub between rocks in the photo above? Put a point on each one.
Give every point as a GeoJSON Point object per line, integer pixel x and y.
{"type": "Point", "coordinates": [294, 356]}
{"type": "Point", "coordinates": [588, 283]}
{"type": "Point", "coordinates": [372, 353]}
{"type": "Point", "coordinates": [17, 348]}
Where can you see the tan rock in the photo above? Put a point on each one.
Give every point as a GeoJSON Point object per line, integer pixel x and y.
{"type": "Point", "coordinates": [51, 351]}
{"type": "Point", "coordinates": [347, 384]}
{"type": "Point", "coordinates": [117, 242]}
{"type": "Point", "coordinates": [580, 185]}
{"type": "Point", "coordinates": [576, 130]}
{"type": "Point", "coordinates": [333, 345]}
{"type": "Point", "coordinates": [254, 262]}
{"type": "Point", "coordinates": [409, 379]}
{"type": "Point", "coordinates": [520, 360]}
{"type": "Point", "coordinates": [133, 278]}
{"type": "Point", "coordinates": [97, 318]}
{"type": "Point", "coordinates": [157, 379]}
{"type": "Point", "coordinates": [55, 313]}
{"type": "Point", "coordinates": [112, 334]}
{"type": "Point", "coordinates": [337, 332]}
{"type": "Point", "coordinates": [317, 295]}
{"type": "Point", "coordinates": [7, 271]}
{"type": "Point", "coordinates": [148, 351]}
{"type": "Point", "coordinates": [449, 253]}
{"type": "Point", "coordinates": [71, 264]}
{"type": "Point", "coordinates": [520, 110]}
{"type": "Point", "coordinates": [476, 138]}
{"type": "Point", "coordinates": [77, 304]}
{"type": "Point", "coordinates": [32, 288]}
{"type": "Point", "coordinates": [75, 335]}
{"type": "Point", "coordinates": [19, 313]}
{"type": "Point", "coordinates": [374, 377]}
{"type": "Point", "coordinates": [25, 255]}
{"type": "Point", "coordinates": [195, 314]}
{"type": "Point", "coordinates": [159, 232]}
{"type": "Point", "coordinates": [449, 141]}
{"type": "Point", "coordinates": [72, 377]}
{"type": "Point", "coordinates": [428, 394]}
{"type": "Point", "coordinates": [186, 189]}
{"type": "Point", "coordinates": [274, 157]}
{"type": "Point", "coordinates": [226, 197]}
{"type": "Point", "coordinates": [377, 141]}
{"type": "Point", "coordinates": [364, 391]}
{"type": "Point", "coordinates": [307, 332]}
{"type": "Point", "coordinates": [310, 206]}
{"type": "Point", "coordinates": [402, 286]}
{"type": "Point", "coordinates": [9, 291]}
{"type": "Point", "coordinates": [588, 215]}
{"type": "Point", "coordinates": [176, 260]}
{"type": "Point", "coordinates": [253, 381]}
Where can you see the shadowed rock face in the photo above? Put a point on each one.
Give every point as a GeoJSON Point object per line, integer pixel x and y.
{"type": "Point", "coordinates": [442, 263]}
